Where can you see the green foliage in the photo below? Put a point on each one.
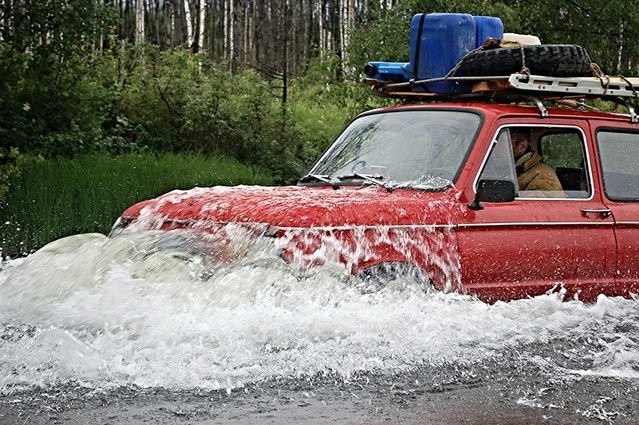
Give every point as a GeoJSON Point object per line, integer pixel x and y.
{"type": "Point", "coordinates": [11, 162]}
{"type": "Point", "coordinates": [607, 29]}
{"type": "Point", "coordinates": [132, 99]}
{"type": "Point", "coordinates": [45, 53]}
{"type": "Point", "coordinates": [318, 126]}
{"type": "Point", "coordinates": [321, 104]}
{"type": "Point", "coordinates": [382, 37]}
{"type": "Point", "coordinates": [59, 197]}
{"type": "Point", "coordinates": [175, 101]}
{"type": "Point", "coordinates": [504, 9]}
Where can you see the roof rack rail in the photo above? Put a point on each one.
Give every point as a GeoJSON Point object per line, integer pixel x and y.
{"type": "Point", "coordinates": [494, 86]}
{"type": "Point", "coordinates": [587, 86]}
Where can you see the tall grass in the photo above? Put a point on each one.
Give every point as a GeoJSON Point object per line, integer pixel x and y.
{"type": "Point", "coordinates": [61, 197]}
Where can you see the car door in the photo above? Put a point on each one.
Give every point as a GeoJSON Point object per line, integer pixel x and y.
{"type": "Point", "coordinates": [539, 241]}
{"type": "Point", "coordinates": [619, 155]}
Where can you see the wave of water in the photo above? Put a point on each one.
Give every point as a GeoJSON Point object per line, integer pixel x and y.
{"type": "Point", "coordinates": [98, 312]}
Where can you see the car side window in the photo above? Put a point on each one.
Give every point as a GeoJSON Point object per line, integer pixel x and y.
{"type": "Point", "coordinates": [563, 150]}
{"type": "Point", "coordinates": [619, 153]}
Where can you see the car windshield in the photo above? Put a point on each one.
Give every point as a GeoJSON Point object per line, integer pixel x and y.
{"type": "Point", "coordinates": [410, 148]}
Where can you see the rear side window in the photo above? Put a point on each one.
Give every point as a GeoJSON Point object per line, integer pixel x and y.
{"type": "Point", "coordinates": [563, 150]}
{"type": "Point", "coordinates": [619, 153]}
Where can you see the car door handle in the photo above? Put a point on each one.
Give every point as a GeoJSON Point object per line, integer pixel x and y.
{"type": "Point", "coordinates": [603, 212]}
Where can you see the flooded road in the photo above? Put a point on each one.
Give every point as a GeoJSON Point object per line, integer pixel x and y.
{"type": "Point", "coordinates": [94, 332]}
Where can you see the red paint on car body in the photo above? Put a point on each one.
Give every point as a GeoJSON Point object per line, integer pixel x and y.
{"type": "Point", "coordinates": [523, 247]}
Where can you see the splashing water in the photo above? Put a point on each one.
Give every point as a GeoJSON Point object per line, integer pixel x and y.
{"type": "Point", "coordinates": [105, 312]}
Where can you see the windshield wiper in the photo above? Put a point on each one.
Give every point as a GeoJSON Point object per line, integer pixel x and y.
{"type": "Point", "coordinates": [375, 179]}
{"type": "Point", "coordinates": [318, 177]}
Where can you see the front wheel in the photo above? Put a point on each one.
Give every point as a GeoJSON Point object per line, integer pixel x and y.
{"type": "Point", "coordinates": [396, 275]}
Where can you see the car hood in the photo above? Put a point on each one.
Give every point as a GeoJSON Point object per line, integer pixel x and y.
{"type": "Point", "coordinates": [298, 207]}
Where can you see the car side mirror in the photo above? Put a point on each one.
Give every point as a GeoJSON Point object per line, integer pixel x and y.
{"type": "Point", "coordinates": [493, 191]}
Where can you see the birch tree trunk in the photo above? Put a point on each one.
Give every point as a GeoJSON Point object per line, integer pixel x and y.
{"type": "Point", "coordinates": [620, 49]}
{"type": "Point", "coordinates": [100, 41]}
{"type": "Point", "coordinates": [4, 24]}
{"type": "Point", "coordinates": [189, 25]}
{"type": "Point", "coordinates": [201, 24]}
{"type": "Point", "coordinates": [231, 35]}
{"type": "Point", "coordinates": [246, 37]}
{"type": "Point", "coordinates": [139, 21]}
{"type": "Point", "coordinates": [172, 12]}
{"type": "Point", "coordinates": [343, 23]}
{"type": "Point", "coordinates": [225, 25]}
{"type": "Point", "coordinates": [322, 35]}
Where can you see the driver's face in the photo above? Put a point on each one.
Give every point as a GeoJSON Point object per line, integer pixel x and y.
{"type": "Point", "coordinates": [520, 145]}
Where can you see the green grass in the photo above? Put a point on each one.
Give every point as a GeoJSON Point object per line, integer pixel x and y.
{"type": "Point", "coordinates": [61, 197]}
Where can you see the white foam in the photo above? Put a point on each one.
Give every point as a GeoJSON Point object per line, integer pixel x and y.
{"type": "Point", "coordinates": [78, 312]}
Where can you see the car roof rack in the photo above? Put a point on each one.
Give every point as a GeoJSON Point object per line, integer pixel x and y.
{"type": "Point", "coordinates": [517, 87]}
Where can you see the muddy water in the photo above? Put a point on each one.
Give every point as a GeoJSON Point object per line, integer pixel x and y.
{"type": "Point", "coordinates": [103, 331]}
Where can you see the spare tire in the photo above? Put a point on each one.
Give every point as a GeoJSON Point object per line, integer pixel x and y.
{"type": "Point", "coordinates": [555, 60]}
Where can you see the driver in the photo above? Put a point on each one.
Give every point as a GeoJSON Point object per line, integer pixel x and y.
{"type": "Point", "coordinates": [532, 172]}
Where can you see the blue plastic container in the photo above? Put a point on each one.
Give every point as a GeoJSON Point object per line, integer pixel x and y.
{"type": "Point", "coordinates": [390, 71]}
{"type": "Point", "coordinates": [437, 42]}
{"type": "Point", "coordinates": [487, 27]}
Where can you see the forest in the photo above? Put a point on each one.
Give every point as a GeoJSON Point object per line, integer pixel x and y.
{"type": "Point", "coordinates": [266, 83]}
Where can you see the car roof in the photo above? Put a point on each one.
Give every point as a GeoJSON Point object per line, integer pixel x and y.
{"type": "Point", "coordinates": [507, 109]}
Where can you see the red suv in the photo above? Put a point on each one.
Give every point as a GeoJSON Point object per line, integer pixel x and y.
{"type": "Point", "coordinates": [429, 192]}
